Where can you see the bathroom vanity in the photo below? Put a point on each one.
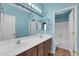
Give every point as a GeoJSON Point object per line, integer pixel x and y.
{"type": "Point", "coordinates": [34, 45]}
{"type": "Point", "coordinates": [42, 49]}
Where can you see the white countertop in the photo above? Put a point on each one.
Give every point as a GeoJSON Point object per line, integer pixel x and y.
{"type": "Point", "coordinates": [10, 48]}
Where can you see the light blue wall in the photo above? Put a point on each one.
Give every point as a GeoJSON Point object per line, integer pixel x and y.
{"type": "Point", "coordinates": [22, 19]}
{"type": "Point", "coordinates": [48, 13]}
{"type": "Point", "coordinates": [49, 8]}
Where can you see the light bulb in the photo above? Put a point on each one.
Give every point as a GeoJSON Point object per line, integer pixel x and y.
{"type": "Point", "coordinates": [20, 7]}
{"type": "Point", "coordinates": [36, 8]}
{"type": "Point", "coordinates": [33, 6]}
{"type": "Point", "coordinates": [29, 4]}
{"type": "Point", "coordinates": [23, 8]}
{"type": "Point", "coordinates": [40, 11]}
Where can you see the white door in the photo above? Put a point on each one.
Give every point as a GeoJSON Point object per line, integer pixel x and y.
{"type": "Point", "coordinates": [8, 27]}
{"type": "Point", "coordinates": [32, 27]}
{"type": "Point", "coordinates": [72, 31]}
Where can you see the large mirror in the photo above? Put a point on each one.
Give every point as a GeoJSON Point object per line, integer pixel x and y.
{"type": "Point", "coordinates": [10, 28]}
{"type": "Point", "coordinates": [17, 23]}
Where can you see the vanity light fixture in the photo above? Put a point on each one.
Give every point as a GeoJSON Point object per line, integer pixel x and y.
{"type": "Point", "coordinates": [23, 9]}
{"type": "Point", "coordinates": [34, 7]}
{"type": "Point", "coordinates": [30, 8]}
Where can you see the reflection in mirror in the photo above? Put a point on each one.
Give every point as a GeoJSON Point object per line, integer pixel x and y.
{"type": "Point", "coordinates": [7, 28]}
{"type": "Point", "coordinates": [32, 26]}
{"type": "Point", "coordinates": [7, 25]}
{"type": "Point", "coordinates": [44, 26]}
{"type": "Point", "coordinates": [15, 22]}
{"type": "Point", "coordinates": [39, 26]}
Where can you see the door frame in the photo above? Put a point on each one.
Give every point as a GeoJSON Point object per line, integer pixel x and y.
{"type": "Point", "coordinates": [14, 19]}
{"type": "Point", "coordinates": [69, 8]}
{"type": "Point", "coordinates": [29, 22]}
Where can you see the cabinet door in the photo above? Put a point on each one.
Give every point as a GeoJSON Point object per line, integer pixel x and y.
{"type": "Point", "coordinates": [32, 52]}
{"type": "Point", "coordinates": [41, 52]}
{"type": "Point", "coordinates": [41, 49]}
{"type": "Point", "coordinates": [47, 47]}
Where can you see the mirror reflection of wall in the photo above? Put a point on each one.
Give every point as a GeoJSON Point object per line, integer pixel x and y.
{"type": "Point", "coordinates": [7, 28]}
{"type": "Point", "coordinates": [39, 26]}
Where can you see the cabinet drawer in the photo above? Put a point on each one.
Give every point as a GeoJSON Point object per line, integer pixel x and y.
{"type": "Point", "coordinates": [41, 45]}
{"type": "Point", "coordinates": [32, 52]}
{"type": "Point", "coordinates": [47, 47]}
{"type": "Point", "coordinates": [41, 51]}
{"type": "Point", "coordinates": [48, 44]}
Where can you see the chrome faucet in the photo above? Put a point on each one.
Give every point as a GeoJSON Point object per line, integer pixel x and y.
{"type": "Point", "coordinates": [18, 42]}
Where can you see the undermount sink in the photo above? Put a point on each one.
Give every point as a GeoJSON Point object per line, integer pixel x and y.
{"type": "Point", "coordinates": [40, 36]}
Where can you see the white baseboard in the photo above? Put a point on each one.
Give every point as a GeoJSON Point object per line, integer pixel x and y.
{"type": "Point", "coordinates": [53, 52]}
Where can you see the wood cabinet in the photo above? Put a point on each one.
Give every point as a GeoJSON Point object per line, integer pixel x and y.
{"type": "Point", "coordinates": [43, 49]}
{"type": "Point", "coordinates": [32, 52]}
{"type": "Point", "coordinates": [47, 47]}
{"type": "Point", "coordinates": [22, 54]}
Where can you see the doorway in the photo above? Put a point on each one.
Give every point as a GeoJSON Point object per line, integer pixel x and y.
{"type": "Point", "coordinates": [32, 27]}
{"type": "Point", "coordinates": [65, 29]}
